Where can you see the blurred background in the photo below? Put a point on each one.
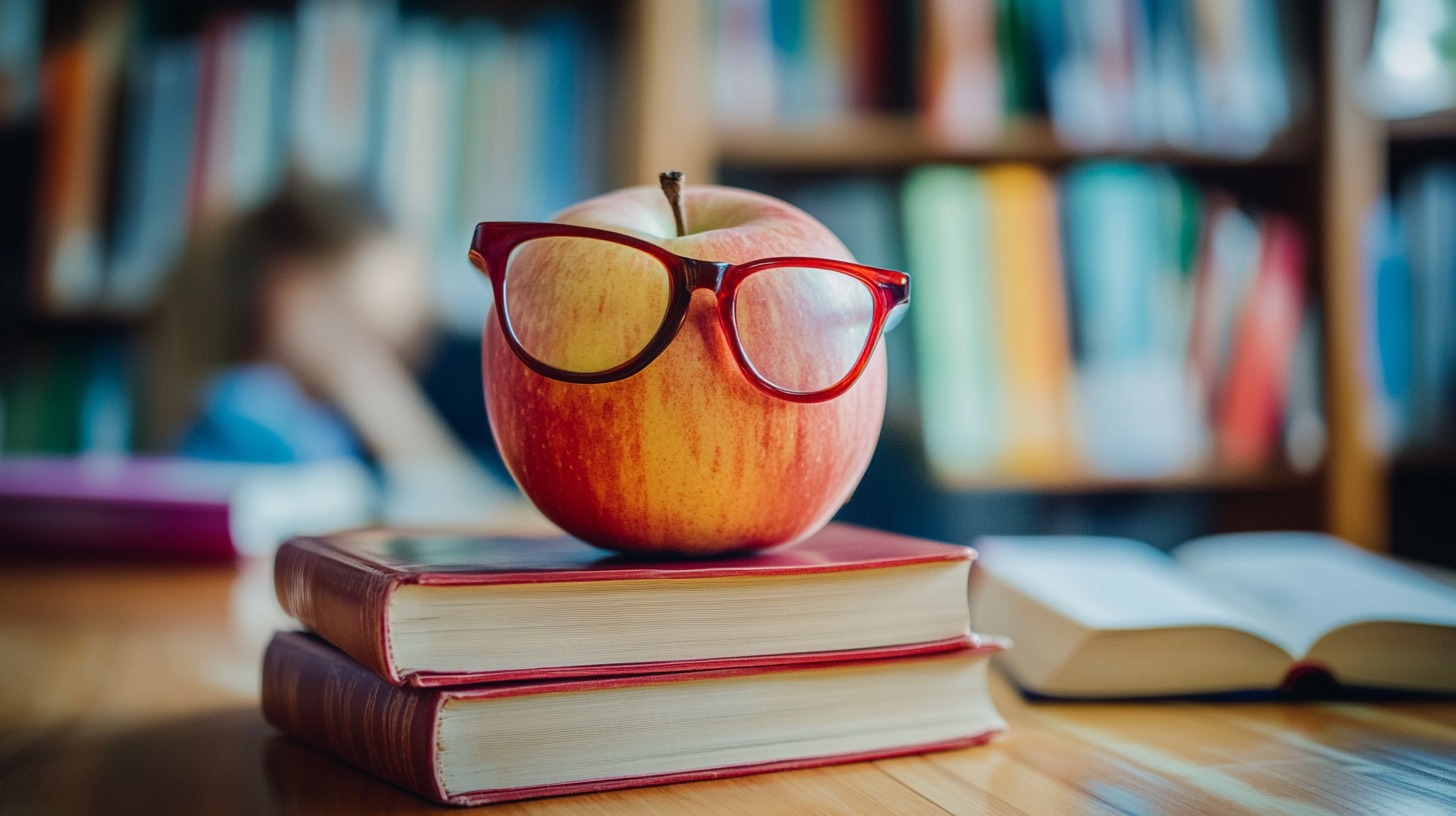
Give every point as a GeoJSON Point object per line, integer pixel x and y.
{"type": "Point", "coordinates": [1180, 266]}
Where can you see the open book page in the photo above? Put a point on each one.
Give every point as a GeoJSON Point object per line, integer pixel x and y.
{"type": "Point", "coordinates": [1110, 583]}
{"type": "Point", "coordinates": [1303, 585]}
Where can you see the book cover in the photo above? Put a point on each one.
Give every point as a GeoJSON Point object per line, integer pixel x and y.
{"type": "Point", "coordinates": [352, 589]}
{"type": "Point", "coordinates": [548, 741]}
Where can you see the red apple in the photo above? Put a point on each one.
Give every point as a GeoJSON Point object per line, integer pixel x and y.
{"type": "Point", "coordinates": [686, 457]}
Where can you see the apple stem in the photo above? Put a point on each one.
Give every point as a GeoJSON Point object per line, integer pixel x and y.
{"type": "Point", "coordinates": [671, 182]}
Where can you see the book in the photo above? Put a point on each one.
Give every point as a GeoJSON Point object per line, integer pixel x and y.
{"type": "Point", "coordinates": [1426, 206]}
{"type": "Point", "coordinates": [494, 743]}
{"type": "Point", "coordinates": [1136, 417]}
{"type": "Point", "coordinates": [158, 145]}
{"type": "Point", "coordinates": [338, 65]}
{"type": "Point", "coordinates": [81, 78]}
{"type": "Point", "coordinates": [441, 608]}
{"type": "Point", "coordinates": [1387, 323]}
{"type": "Point", "coordinates": [947, 249]}
{"type": "Point", "coordinates": [1249, 415]}
{"type": "Point", "coordinates": [167, 508]}
{"type": "Point", "coordinates": [1030, 304]}
{"type": "Point", "coordinates": [964, 103]}
{"type": "Point", "coordinates": [1247, 612]}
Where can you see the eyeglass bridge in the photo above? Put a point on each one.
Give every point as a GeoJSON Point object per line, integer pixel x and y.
{"type": "Point", "coordinates": [706, 274]}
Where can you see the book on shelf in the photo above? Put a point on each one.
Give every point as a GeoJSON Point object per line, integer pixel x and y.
{"type": "Point", "coordinates": [1120, 321]}
{"type": "Point", "coordinates": [799, 60]}
{"type": "Point", "coordinates": [961, 73]}
{"type": "Point", "coordinates": [168, 508]}
{"type": "Point", "coordinates": [1409, 295]}
{"type": "Point", "coordinates": [152, 188]}
{"type": "Point", "coordinates": [1427, 208]}
{"type": "Point", "coordinates": [947, 255]}
{"type": "Point", "coordinates": [498, 742]}
{"type": "Point", "coordinates": [20, 58]}
{"type": "Point", "coordinates": [445, 115]}
{"type": "Point", "coordinates": [432, 608]}
{"type": "Point", "coordinates": [340, 60]}
{"type": "Point", "coordinates": [1031, 321]}
{"type": "Point", "coordinates": [1135, 413]}
{"type": "Point", "coordinates": [1254, 398]}
{"type": "Point", "coordinates": [78, 79]}
{"type": "Point", "coordinates": [1247, 612]}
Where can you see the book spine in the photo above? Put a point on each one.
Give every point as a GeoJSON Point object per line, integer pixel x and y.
{"type": "Point", "coordinates": [341, 708]}
{"type": "Point", "coordinates": [341, 600]}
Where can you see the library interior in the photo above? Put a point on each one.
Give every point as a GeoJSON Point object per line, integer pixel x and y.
{"type": "Point", "coordinates": [1069, 426]}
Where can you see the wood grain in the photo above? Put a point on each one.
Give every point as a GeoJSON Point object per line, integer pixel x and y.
{"type": "Point", "coordinates": [134, 690]}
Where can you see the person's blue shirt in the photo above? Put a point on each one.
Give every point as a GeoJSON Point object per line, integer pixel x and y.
{"type": "Point", "coordinates": [258, 413]}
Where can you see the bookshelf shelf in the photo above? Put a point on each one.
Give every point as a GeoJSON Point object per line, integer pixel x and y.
{"type": "Point", "coordinates": [1197, 481]}
{"type": "Point", "coordinates": [898, 140]}
{"type": "Point", "coordinates": [1439, 126]}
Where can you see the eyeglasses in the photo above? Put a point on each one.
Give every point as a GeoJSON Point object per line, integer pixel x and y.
{"type": "Point", "coordinates": [586, 305]}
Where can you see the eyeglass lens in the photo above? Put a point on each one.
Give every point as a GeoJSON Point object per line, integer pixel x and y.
{"type": "Point", "coordinates": [802, 328]}
{"type": "Point", "coordinates": [583, 305]}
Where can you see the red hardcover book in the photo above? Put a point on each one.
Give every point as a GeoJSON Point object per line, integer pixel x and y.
{"type": "Point", "coordinates": [440, 608]}
{"type": "Point", "coordinates": [476, 745]}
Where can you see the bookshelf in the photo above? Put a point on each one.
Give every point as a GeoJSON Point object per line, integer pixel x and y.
{"type": "Point", "coordinates": [1326, 170]}
{"type": "Point", "coordinates": [1330, 166]}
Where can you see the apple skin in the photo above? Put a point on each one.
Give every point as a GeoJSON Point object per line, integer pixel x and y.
{"type": "Point", "coordinates": [686, 457]}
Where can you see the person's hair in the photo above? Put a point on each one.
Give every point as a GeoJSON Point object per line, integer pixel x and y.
{"type": "Point", "coordinates": [210, 314]}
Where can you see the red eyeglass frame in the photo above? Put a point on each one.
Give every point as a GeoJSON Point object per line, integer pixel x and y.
{"type": "Point", "coordinates": [493, 242]}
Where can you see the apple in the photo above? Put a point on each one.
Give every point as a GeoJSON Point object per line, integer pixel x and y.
{"type": "Point", "coordinates": [686, 457]}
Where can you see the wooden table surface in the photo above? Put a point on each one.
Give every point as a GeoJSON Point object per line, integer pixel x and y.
{"type": "Point", "coordinates": [133, 689]}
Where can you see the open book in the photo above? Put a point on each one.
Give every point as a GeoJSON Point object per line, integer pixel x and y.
{"type": "Point", "coordinates": [1109, 617]}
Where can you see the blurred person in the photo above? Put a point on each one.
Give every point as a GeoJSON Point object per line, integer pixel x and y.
{"type": "Point", "coordinates": [289, 334]}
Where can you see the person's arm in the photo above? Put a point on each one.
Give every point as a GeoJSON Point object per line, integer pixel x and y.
{"type": "Point", "coordinates": [430, 477]}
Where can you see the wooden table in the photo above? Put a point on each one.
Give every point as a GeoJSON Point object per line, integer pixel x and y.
{"type": "Point", "coordinates": [133, 689]}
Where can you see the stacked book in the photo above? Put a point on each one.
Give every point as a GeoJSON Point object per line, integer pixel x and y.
{"type": "Point", "coordinates": [474, 669]}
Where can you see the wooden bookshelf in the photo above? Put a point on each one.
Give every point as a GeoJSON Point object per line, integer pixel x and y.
{"type": "Point", "coordinates": [1439, 126]}
{"type": "Point", "coordinates": [662, 119]}
{"type": "Point", "coordinates": [1272, 480]}
{"type": "Point", "coordinates": [874, 141]}
{"type": "Point", "coordinates": [1339, 151]}
{"type": "Point", "coordinates": [1352, 173]}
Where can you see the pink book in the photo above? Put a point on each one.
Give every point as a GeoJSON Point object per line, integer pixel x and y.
{"type": "Point", "coordinates": [436, 608]}
{"type": "Point", "coordinates": [476, 745]}
{"type": "Point", "coordinates": [158, 507]}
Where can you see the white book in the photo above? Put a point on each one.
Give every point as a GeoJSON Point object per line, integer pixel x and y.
{"type": "Point", "coordinates": [1107, 617]}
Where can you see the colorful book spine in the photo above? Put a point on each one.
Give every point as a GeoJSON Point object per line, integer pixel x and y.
{"type": "Point", "coordinates": [1251, 406]}
{"type": "Point", "coordinates": [947, 246]}
{"type": "Point", "coordinates": [1031, 318]}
